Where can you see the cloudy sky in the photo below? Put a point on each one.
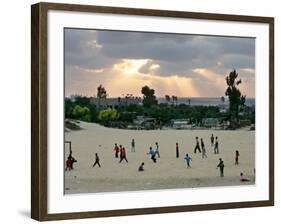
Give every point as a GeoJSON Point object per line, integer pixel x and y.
{"type": "Point", "coordinates": [173, 64]}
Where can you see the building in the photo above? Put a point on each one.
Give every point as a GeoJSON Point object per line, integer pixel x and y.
{"type": "Point", "coordinates": [116, 102]}
{"type": "Point", "coordinates": [142, 122]}
{"type": "Point", "coordinates": [210, 122]}
{"type": "Point", "coordinates": [181, 124]}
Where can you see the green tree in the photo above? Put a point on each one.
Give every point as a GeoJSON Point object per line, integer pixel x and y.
{"type": "Point", "coordinates": [108, 114]}
{"type": "Point", "coordinates": [82, 113]}
{"type": "Point", "coordinates": [101, 92]}
{"type": "Point", "coordinates": [175, 100]}
{"type": "Point", "coordinates": [236, 99]}
{"type": "Point", "coordinates": [149, 99]}
{"type": "Point", "coordinates": [168, 98]}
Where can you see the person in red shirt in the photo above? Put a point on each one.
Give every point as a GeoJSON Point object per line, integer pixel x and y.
{"type": "Point", "coordinates": [177, 150]}
{"type": "Point", "coordinates": [116, 149]}
{"type": "Point", "coordinates": [123, 155]}
{"type": "Point", "coordinates": [68, 164]}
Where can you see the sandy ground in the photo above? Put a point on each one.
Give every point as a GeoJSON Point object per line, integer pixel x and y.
{"type": "Point", "coordinates": [169, 172]}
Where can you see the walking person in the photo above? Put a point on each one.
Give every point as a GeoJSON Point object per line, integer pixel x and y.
{"type": "Point", "coordinates": [212, 140]}
{"type": "Point", "coordinates": [204, 155]}
{"type": "Point", "coordinates": [123, 155]}
{"type": "Point", "coordinates": [157, 150]}
{"type": "Point", "coordinates": [188, 159]}
{"type": "Point", "coordinates": [116, 149]}
{"type": "Point", "coordinates": [197, 146]}
{"type": "Point", "coordinates": [221, 167]}
{"type": "Point", "coordinates": [133, 145]}
{"type": "Point", "coordinates": [216, 148]}
{"type": "Point", "coordinates": [97, 160]}
{"type": "Point", "coordinates": [177, 150]}
{"type": "Point", "coordinates": [152, 153]}
{"type": "Point", "coordinates": [237, 154]}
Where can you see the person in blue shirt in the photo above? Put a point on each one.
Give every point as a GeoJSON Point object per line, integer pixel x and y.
{"type": "Point", "coordinates": [188, 159]}
{"type": "Point", "coordinates": [152, 153]}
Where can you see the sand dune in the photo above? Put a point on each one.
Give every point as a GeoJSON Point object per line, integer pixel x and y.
{"type": "Point", "coordinates": [168, 172]}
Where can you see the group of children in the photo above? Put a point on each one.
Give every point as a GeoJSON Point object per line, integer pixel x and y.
{"type": "Point", "coordinates": [120, 152]}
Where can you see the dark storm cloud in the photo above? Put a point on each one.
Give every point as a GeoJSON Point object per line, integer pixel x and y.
{"type": "Point", "coordinates": [80, 50]}
{"type": "Point", "coordinates": [176, 54]}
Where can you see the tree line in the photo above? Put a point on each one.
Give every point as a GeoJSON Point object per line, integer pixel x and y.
{"type": "Point", "coordinates": [82, 108]}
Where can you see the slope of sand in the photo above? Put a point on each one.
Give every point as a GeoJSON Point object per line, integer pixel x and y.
{"type": "Point", "coordinates": [168, 172]}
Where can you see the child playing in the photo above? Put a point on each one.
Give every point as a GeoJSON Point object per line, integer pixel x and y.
{"type": "Point", "coordinates": [188, 159]}
{"type": "Point", "coordinates": [141, 167]}
{"type": "Point", "coordinates": [152, 153]}
{"type": "Point", "coordinates": [177, 150]}
{"type": "Point", "coordinates": [97, 160]}
{"type": "Point", "coordinates": [237, 154]}
{"type": "Point", "coordinates": [243, 178]}
{"type": "Point", "coordinates": [116, 149]}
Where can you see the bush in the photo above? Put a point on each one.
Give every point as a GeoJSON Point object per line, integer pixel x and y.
{"type": "Point", "coordinates": [82, 113]}
{"type": "Point", "coordinates": [108, 114]}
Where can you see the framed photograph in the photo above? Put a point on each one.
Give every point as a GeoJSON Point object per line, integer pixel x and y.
{"type": "Point", "coordinates": [140, 111]}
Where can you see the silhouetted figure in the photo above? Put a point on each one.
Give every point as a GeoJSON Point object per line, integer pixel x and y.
{"type": "Point", "coordinates": [70, 161]}
{"type": "Point", "coordinates": [216, 148]}
{"type": "Point", "coordinates": [221, 167]}
{"type": "Point", "coordinates": [123, 155]}
{"type": "Point", "coordinates": [157, 150]}
{"type": "Point", "coordinates": [133, 145]}
{"type": "Point", "coordinates": [197, 147]}
{"type": "Point", "coordinates": [204, 155]}
{"type": "Point", "coordinates": [177, 150]}
{"type": "Point", "coordinates": [97, 160]}
{"type": "Point", "coordinates": [212, 140]}
{"type": "Point", "coordinates": [116, 149]}
{"type": "Point", "coordinates": [141, 167]}
{"type": "Point", "coordinates": [237, 154]}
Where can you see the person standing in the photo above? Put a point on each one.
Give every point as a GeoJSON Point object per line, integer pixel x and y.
{"type": "Point", "coordinates": [216, 148]}
{"type": "Point", "coordinates": [177, 150]}
{"type": "Point", "coordinates": [157, 150]}
{"type": "Point", "coordinates": [68, 164]}
{"type": "Point", "coordinates": [188, 159]}
{"type": "Point", "coordinates": [197, 146]}
{"type": "Point", "coordinates": [97, 160]}
{"type": "Point", "coordinates": [221, 167]}
{"type": "Point", "coordinates": [204, 155]}
{"type": "Point", "coordinates": [70, 160]}
{"type": "Point", "coordinates": [116, 149]}
{"type": "Point", "coordinates": [123, 155]}
{"type": "Point", "coordinates": [237, 154]}
{"type": "Point", "coordinates": [212, 140]}
{"type": "Point", "coordinates": [133, 145]}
